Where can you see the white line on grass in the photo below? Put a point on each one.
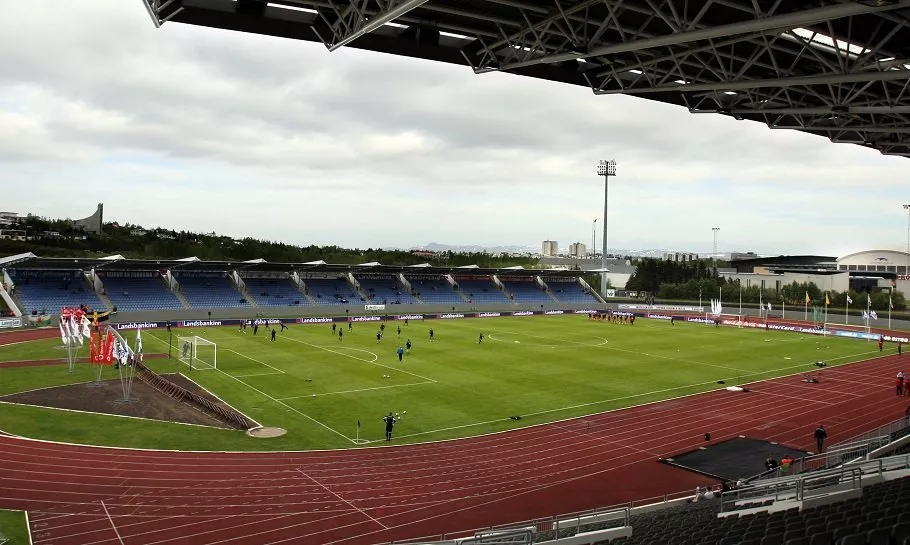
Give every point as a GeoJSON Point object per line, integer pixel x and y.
{"type": "Point", "coordinates": [327, 489]}
{"type": "Point", "coordinates": [254, 359]}
{"type": "Point", "coordinates": [28, 528]}
{"type": "Point", "coordinates": [354, 391]}
{"type": "Point", "coordinates": [258, 375]}
{"type": "Point", "coordinates": [602, 401]}
{"type": "Point", "coordinates": [260, 392]}
{"type": "Point", "coordinates": [362, 360]}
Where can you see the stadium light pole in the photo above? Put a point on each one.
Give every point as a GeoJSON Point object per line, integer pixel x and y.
{"type": "Point", "coordinates": [714, 255]}
{"type": "Point", "coordinates": [605, 169]}
{"type": "Point", "coordinates": [594, 239]}
{"type": "Point", "coordinates": [907, 268]}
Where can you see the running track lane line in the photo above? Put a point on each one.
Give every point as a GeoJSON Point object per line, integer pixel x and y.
{"type": "Point", "coordinates": [327, 489]}
{"type": "Point", "coordinates": [114, 526]}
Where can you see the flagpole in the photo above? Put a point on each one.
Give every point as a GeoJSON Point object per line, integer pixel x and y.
{"type": "Point", "coordinates": [740, 299]}
{"type": "Point", "coordinates": [847, 310]}
{"type": "Point", "coordinates": [890, 304]}
{"type": "Point", "coordinates": [826, 307]}
{"type": "Point", "coordinates": [783, 309]}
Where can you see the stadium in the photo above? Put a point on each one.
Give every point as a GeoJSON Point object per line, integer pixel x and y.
{"type": "Point", "coordinates": [188, 401]}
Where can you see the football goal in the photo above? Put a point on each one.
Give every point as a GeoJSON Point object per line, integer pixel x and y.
{"type": "Point", "coordinates": [729, 319]}
{"type": "Point", "coordinates": [198, 353]}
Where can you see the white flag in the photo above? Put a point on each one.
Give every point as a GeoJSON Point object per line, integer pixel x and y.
{"type": "Point", "coordinates": [75, 334]}
{"type": "Point", "coordinates": [874, 315]}
{"type": "Point", "coordinates": [769, 305]}
{"type": "Point", "coordinates": [86, 332]}
{"type": "Point", "coordinates": [138, 350]}
{"type": "Point", "coordinates": [849, 301]}
{"type": "Point", "coordinates": [865, 315]}
{"type": "Point", "coordinates": [890, 304]}
{"type": "Point", "coordinates": [63, 336]}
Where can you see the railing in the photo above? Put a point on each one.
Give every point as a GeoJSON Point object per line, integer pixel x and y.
{"type": "Point", "coordinates": [800, 487]}
{"type": "Point", "coordinates": [883, 431]}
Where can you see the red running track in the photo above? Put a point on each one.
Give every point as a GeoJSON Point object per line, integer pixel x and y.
{"type": "Point", "coordinates": [87, 495]}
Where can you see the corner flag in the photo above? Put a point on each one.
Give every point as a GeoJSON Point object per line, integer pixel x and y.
{"type": "Point", "coordinates": [808, 299]}
{"type": "Point", "coordinates": [827, 301]}
{"type": "Point", "coordinates": [358, 423]}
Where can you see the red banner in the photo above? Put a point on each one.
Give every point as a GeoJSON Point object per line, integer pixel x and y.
{"type": "Point", "coordinates": [95, 347]}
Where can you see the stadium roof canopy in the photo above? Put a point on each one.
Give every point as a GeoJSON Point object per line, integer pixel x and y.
{"type": "Point", "coordinates": [118, 263]}
{"type": "Point", "coordinates": [838, 69]}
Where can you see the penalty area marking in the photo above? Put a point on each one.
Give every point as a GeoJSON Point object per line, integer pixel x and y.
{"type": "Point", "coordinates": [267, 396]}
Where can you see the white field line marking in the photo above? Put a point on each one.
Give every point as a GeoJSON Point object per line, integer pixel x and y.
{"type": "Point", "coordinates": [114, 526]}
{"type": "Point", "coordinates": [225, 403]}
{"type": "Point", "coordinates": [267, 396]}
{"type": "Point", "coordinates": [113, 415]}
{"type": "Point", "coordinates": [330, 491]}
{"type": "Point", "coordinates": [602, 401]}
{"type": "Point", "coordinates": [362, 360]}
{"type": "Point", "coordinates": [355, 391]}
{"type": "Point", "coordinates": [560, 342]}
{"type": "Point", "coordinates": [28, 528]}
{"type": "Point", "coordinates": [259, 375]}
{"type": "Point", "coordinates": [255, 360]}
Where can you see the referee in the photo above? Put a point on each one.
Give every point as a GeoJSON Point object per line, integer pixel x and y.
{"type": "Point", "coordinates": [389, 424]}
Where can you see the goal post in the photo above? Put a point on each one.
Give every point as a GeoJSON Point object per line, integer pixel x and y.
{"type": "Point", "coordinates": [197, 352]}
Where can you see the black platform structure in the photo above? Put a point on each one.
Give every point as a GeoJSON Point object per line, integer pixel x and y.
{"type": "Point", "coordinates": [733, 459]}
{"type": "Point", "coordinates": [837, 69]}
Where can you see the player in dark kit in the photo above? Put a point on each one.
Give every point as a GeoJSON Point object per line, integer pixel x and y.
{"type": "Point", "coordinates": [283, 327]}
{"type": "Point", "coordinates": [408, 345]}
{"type": "Point", "coordinates": [333, 328]}
{"type": "Point", "coordinates": [480, 339]}
{"type": "Point", "coordinates": [340, 335]}
{"type": "Point", "coordinates": [255, 329]}
{"type": "Point", "coordinates": [389, 424]}
{"type": "Point", "coordinates": [400, 353]}
{"type": "Point", "coordinates": [431, 334]}
{"type": "Point", "coordinates": [273, 334]}
{"type": "Point", "coordinates": [399, 331]}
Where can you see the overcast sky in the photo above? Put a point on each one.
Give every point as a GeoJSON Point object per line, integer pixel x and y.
{"type": "Point", "coordinates": [208, 130]}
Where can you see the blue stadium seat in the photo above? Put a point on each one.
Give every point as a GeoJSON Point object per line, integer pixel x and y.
{"type": "Point", "coordinates": [142, 293]}
{"type": "Point", "coordinates": [435, 291]}
{"type": "Point", "coordinates": [525, 291]}
{"type": "Point", "coordinates": [569, 291]}
{"type": "Point", "coordinates": [332, 291]}
{"type": "Point", "coordinates": [385, 291]}
{"type": "Point", "coordinates": [210, 292]}
{"type": "Point", "coordinates": [481, 292]}
{"type": "Point", "coordinates": [49, 291]}
{"type": "Point", "coordinates": [275, 292]}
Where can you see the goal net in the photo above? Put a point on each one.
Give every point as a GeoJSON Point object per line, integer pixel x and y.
{"type": "Point", "coordinates": [198, 353]}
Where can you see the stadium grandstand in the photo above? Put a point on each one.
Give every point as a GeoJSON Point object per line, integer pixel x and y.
{"type": "Point", "coordinates": [41, 286]}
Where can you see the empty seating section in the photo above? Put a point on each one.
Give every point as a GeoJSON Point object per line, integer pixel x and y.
{"type": "Point", "coordinates": [480, 292]}
{"type": "Point", "coordinates": [332, 291]}
{"type": "Point", "coordinates": [525, 291]}
{"type": "Point", "coordinates": [880, 517]}
{"type": "Point", "coordinates": [569, 292]}
{"type": "Point", "coordinates": [435, 291]}
{"type": "Point", "coordinates": [49, 291]}
{"type": "Point", "coordinates": [385, 291]}
{"type": "Point", "coordinates": [140, 293]}
{"type": "Point", "coordinates": [274, 292]}
{"type": "Point", "coordinates": [210, 292]}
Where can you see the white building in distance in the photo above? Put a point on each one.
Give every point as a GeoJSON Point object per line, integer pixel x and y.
{"type": "Point", "coordinates": [550, 248]}
{"type": "Point", "coordinates": [578, 249]}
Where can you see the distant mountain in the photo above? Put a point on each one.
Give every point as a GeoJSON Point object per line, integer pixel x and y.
{"type": "Point", "coordinates": [436, 247]}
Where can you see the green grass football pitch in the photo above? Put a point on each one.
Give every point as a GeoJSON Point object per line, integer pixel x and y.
{"type": "Point", "coordinates": [540, 368]}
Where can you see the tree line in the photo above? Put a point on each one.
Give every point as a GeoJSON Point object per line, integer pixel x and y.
{"type": "Point", "coordinates": [171, 244]}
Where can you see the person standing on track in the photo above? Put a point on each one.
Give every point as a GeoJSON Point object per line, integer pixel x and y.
{"type": "Point", "coordinates": [820, 436]}
{"type": "Point", "coordinates": [900, 382]}
{"type": "Point", "coordinates": [389, 424]}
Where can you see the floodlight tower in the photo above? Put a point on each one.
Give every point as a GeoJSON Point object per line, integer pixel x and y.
{"type": "Point", "coordinates": [907, 268]}
{"type": "Point", "coordinates": [594, 239]}
{"type": "Point", "coordinates": [605, 169]}
{"type": "Point", "coordinates": [714, 255]}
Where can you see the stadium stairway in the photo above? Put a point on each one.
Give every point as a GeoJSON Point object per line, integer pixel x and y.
{"type": "Point", "coordinates": [105, 300]}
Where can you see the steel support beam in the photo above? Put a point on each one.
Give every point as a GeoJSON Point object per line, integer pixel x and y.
{"type": "Point", "coordinates": [776, 83]}
{"type": "Point", "coordinates": [367, 26]}
{"type": "Point", "coordinates": [151, 13]}
{"type": "Point", "coordinates": [823, 110]}
{"type": "Point", "coordinates": [846, 128]}
{"type": "Point", "coordinates": [776, 22]}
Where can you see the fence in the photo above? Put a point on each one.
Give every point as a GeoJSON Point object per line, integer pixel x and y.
{"type": "Point", "coordinates": [888, 430]}
{"type": "Point", "coordinates": [800, 487]}
{"type": "Point", "coordinates": [163, 385]}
